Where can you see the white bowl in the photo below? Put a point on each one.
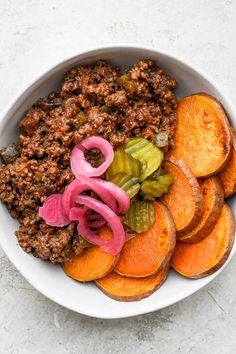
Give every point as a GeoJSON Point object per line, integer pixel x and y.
{"type": "Point", "coordinates": [49, 279]}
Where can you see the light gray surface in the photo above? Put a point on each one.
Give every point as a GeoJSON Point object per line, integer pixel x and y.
{"type": "Point", "coordinates": [33, 34]}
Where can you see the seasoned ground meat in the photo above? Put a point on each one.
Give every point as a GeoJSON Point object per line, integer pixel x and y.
{"type": "Point", "coordinates": [93, 100]}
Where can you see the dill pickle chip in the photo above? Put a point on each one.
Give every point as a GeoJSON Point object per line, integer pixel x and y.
{"type": "Point", "coordinates": [154, 189]}
{"type": "Point", "coordinates": [148, 154]}
{"type": "Point", "coordinates": [165, 180]}
{"type": "Point", "coordinates": [120, 179]}
{"type": "Point", "coordinates": [133, 190]}
{"type": "Point", "coordinates": [122, 162]}
{"type": "Point", "coordinates": [128, 183]}
{"type": "Point", "coordinates": [140, 216]}
{"type": "Point", "coordinates": [155, 174]}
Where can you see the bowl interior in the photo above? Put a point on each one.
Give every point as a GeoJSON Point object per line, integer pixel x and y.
{"type": "Point", "coordinates": [50, 279]}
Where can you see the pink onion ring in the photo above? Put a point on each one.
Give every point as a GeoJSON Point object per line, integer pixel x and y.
{"type": "Point", "coordinates": [78, 214]}
{"type": "Point", "coordinates": [118, 193]}
{"type": "Point", "coordinates": [112, 246]}
{"type": "Point", "coordinates": [53, 211]}
{"type": "Point", "coordinates": [78, 186]}
{"type": "Point", "coordinates": [70, 193]}
{"type": "Point", "coordinates": [94, 220]}
{"type": "Point", "coordinates": [101, 190]}
{"type": "Point", "coordinates": [81, 167]}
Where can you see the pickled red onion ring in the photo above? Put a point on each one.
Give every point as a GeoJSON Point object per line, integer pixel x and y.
{"type": "Point", "coordinates": [70, 193]}
{"type": "Point", "coordinates": [81, 167]}
{"type": "Point", "coordinates": [53, 211]}
{"type": "Point", "coordinates": [112, 246]}
{"type": "Point", "coordinates": [96, 185]}
{"type": "Point", "coordinates": [78, 214]}
{"type": "Point", "coordinates": [76, 187]}
{"type": "Point", "coordinates": [118, 193]}
{"type": "Point", "coordinates": [94, 220]}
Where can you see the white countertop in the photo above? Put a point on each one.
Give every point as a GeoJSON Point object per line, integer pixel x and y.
{"type": "Point", "coordinates": [33, 34]}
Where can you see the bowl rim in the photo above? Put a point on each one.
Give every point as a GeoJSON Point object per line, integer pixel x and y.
{"type": "Point", "coordinates": [15, 103]}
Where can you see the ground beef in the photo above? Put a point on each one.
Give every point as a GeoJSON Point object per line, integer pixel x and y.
{"type": "Point", "coordinates": [93, 100]}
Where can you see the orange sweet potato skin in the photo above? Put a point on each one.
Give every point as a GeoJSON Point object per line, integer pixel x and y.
{"type": "Point", "coordinates": [202, 137]}
{"type": "Point", "coordinates": [91, 264]}
{"type": "Point", "coordinates": [127, 289]}
{"type": "Point", "coordinates": [213, 200]}
{"type": "Point", "coordinates": [146, 253]}
{"type": "Point", "coordinates": [202, 259]}
{"type": "Point", "coordinates": [228, 174]}
{"type": "Point", "coordinates": [184, 199]}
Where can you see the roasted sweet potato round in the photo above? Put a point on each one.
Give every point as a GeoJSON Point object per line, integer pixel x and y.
{"type": "Point", "coordinates": [202, 137]}
{"type": "Point", "coordinates": [184, 199]}
{"type": "Point", "coordinates": [92, 263]}
{"type": "Point", "coordinates": [197, 260]}
{"type": "Point", "coordinates": [146, 253]}
{"type": "Point", "coordinates": [131, 289]}
{"type": "Point", "coordinates": [228, 174]}
{"type": "Point", "coordinates": [213, 200]}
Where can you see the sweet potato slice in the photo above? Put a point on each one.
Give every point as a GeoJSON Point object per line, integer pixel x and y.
{"type": "Point", "coordinates": [201, 259]}
{"type": "Point", "coordinates": [146, 253]}
{"type": "Point", "coordinates": [228, 174]}
{"type": "Point", "coordinates": [131, 289]}
{"type": "Point", "coordinates": [184, 199]}
{"type": "Point", "coordinates": [93, 263]}
{"type": "Point", "coordinates": [213, 200]}
{"type": "Point", "coordinates": [202, 137]}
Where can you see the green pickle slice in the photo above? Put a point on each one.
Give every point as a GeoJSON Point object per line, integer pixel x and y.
{"type": "Point", "coordinates": [140, 216]}
{"type": "Point", "coordinates": [122, 162]}
{"type": "Point", "coordinates": [148, 154]}
{"type": "Point", "coordinates": [155, 174]}
{"type": "Point", "coordinates": [154, 189]}
{"type": "Point", "coordinates": [128, 183]}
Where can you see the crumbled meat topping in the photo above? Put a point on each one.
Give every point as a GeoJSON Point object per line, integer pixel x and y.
{"type": "Point", "coordinates": [142, 105]}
